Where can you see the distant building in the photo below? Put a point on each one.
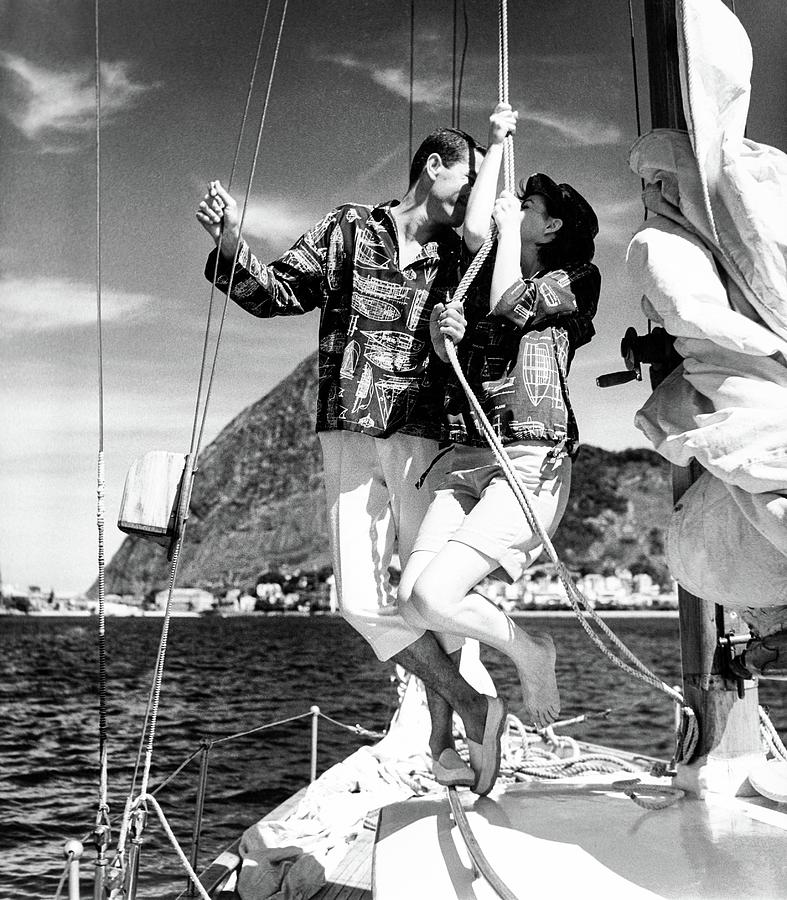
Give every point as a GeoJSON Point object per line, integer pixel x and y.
{"type": "Point", "coordinates": [186, 600]}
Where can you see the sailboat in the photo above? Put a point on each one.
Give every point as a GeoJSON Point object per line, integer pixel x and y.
{"type": "Point", "coordinates": [686, 832]}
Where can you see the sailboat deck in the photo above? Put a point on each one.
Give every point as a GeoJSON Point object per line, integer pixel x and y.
{"type": "Point", "coordinates": [584, 840]}
{"type": "Point", "coordinates": [350, 880]}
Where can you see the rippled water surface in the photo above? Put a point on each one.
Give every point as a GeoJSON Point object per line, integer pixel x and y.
{"type": "Point", "coordinates": [224, 676]}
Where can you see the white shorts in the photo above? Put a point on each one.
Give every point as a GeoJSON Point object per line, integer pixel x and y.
{"type": "Point", "coordinates": [475, 505]}
{"type": "Point", "coordinates": [374, 509]}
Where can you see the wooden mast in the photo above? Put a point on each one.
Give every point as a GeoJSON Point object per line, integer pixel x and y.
{"type": "Point", "coordinates": [729, 725]}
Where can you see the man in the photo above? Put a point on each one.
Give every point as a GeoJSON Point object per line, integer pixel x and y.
{"type": "Point", "coordinates": [380, 277]}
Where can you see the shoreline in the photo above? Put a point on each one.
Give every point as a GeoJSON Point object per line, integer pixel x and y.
{"type": "Point", "coordinates": [516, 614]}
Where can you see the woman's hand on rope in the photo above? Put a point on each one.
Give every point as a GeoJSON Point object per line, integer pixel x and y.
{"type": "Point", "coordinates": [218, 214]}
{"type": "Point", "coordinates": [502, 123]}
{"type": "Point", "coordinates": [507, 213]}
{"type": "Point", "coordinates": [446, 321]}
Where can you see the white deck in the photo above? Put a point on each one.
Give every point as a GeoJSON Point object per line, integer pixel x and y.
{"type": "Point", "coordinates": [569, 840]}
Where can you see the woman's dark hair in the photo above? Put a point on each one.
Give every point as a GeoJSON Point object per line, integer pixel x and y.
{"type": "Point", "coordinates": [450, 144]}
{"type": "Point", "coordinates": [573, 242]}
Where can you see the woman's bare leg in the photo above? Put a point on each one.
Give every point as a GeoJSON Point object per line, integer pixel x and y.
{"type": "Point", "coordinates": [442, 595]}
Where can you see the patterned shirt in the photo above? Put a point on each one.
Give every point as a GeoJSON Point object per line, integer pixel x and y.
{"type": "Point", "coordinates": [378, 373]}
{"type": "Point", "coordinates": [517, 357]}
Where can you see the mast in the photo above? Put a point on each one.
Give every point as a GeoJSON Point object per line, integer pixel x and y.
{"type": "Point", "coordinates": [726, 709]}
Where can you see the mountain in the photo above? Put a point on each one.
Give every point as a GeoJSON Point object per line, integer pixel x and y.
{"type": "Point", "coordinates": [258, 502]}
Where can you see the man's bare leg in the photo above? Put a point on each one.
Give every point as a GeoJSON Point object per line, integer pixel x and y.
{"type": "Point", "coordinates": [441, 736]}
{"type": "Point", "coordinates": [442, 596]}
{"type": "Point", "coordinates": [427, 660]}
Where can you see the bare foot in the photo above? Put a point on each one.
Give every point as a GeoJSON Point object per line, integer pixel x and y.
{"type": "Point", "coordinates": [534, 657]}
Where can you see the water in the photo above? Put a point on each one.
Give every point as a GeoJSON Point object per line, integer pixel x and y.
{"type": "Point", "coordinates": [224, 676]}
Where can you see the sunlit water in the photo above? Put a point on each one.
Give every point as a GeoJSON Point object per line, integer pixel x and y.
{"type": "Point", "coordinates": [224, 676]}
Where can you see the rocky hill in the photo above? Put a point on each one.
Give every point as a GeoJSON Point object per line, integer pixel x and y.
{"type": "Point", "coordinates": [258, 502]}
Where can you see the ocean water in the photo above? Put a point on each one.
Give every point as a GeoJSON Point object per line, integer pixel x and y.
{"type": "Point", "coordinates": [224, 676]}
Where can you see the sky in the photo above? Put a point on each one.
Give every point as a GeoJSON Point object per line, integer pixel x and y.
{"type": "Point", "coordinates": [174, 82]}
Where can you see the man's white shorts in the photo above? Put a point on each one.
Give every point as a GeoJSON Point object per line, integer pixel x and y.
{"type": "Point", "coordinates": [375, 508]}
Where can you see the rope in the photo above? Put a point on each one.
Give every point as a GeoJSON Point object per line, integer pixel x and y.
{"type": "Point", "coordinates": [149, 798]}
{"type": "Point", "coordinates": [508, 143]}
{"type": "Point", "coordinates": [689, 735]}
{"type": "Point", "coordinates": [64, 875]}
{"type": "Point", "coordinates": [355, 729]}
{"type": "Point", "coordinates": [669, 795]}
{"type": "Point", "coordinates": [770, 736]}
{"type": "Point", "coordinates": [241, 734]}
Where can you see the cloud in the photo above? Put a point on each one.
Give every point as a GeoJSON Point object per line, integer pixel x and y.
{"type": "Point", "coordinates": [432, 92]}
{"type": "Point", "coordinates": [279, 222]}
{"type": "Point", "coordinates": [63, 101]}
{"type": "Point", "coordinates": [435, 92]}
{"type": "Point", "coordinates": [49, 304]}
{"type": "Point", "coordinates": [618, 219]}
{"type": "Point", "coordinates": [583, 131]}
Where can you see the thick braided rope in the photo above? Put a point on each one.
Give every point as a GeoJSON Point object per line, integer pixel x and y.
{"type": "Point", "coordinates": [508, 144]}
{"type": "Point", "coordinates": [770, 736]}
{"type": "Point", "coordinates": [574, 594]}
{"type": "Point", "coordinates": [579, 603]}
{"type": "Point", "coordinates": [637, 668]}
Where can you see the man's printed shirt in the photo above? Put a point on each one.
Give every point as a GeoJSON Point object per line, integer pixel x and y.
{"type": "Point", "coordinates": [378, 373]}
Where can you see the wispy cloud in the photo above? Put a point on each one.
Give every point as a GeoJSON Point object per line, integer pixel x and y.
{"type": "Point", "coordinates": [50, 101]}
{"type": "Point", "coordinates": [434, 92]}
{"type": "Point", "coordinates": [583, 131]}
{"type": "Point", "coordinates": [618, 219]}
{"type": "Point", "coordinates": [49, 304]}
{"type": "Point", "coordinates": [279, 222]}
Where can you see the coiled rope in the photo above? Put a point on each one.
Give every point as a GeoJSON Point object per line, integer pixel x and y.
{"type": "Point", "coordinates": [770, 736]}
{"type": "Point", "coordinates": [688, 735]}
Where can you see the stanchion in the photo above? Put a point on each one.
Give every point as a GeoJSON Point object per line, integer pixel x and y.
{"type": "Point", "coordinates": [72, 850]}
{"type": "Point", "coordinates": [315, 711]}
{"type": "Point", "coordinates": [200, 806]}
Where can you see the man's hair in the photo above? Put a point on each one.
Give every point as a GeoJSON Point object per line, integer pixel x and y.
{"type": "Point", "coordinates": [450, 144]}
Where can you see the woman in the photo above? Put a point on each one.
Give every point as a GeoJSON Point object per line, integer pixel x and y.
{"type": "Point", "coordinates": [523, 328]}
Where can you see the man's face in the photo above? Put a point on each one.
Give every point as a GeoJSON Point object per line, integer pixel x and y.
{"type": "Point", "coordinates": [451, 189]}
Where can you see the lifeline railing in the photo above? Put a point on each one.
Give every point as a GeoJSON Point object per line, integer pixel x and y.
{"type": "Point", "coordinates": [73, 849]}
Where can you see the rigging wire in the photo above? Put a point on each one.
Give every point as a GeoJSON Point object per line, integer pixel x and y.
{"type": "Point", "coordinates": [412, 74]}
{"type": "Point", "coordinates": [238, 143]}
{"type": "Point", "coordinates": [462, 67]}
{"type": "Point", "coordinates": [100, 487]}
{"type": "Point", "coordinates": [151, 714]}
{"type": "Point", "coordinates": [634, 70]}
{"type": "Point", "coordinates": [244, 208]}
{"type": "Point", "coordinates": [453, 72]}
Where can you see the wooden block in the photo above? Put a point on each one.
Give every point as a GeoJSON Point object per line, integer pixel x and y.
{"type": "Point", "coordinates": [150, 496]}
